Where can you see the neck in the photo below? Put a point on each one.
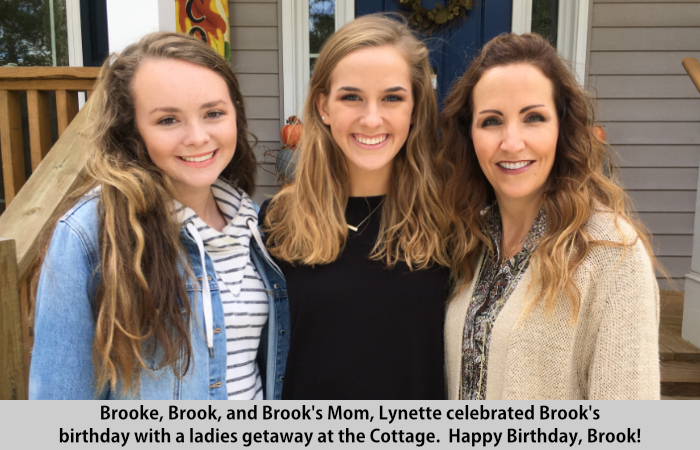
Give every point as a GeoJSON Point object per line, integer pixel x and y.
{"type": "Point", "coordinates": [202, 202]}
{"type": "Point", "coordinates": [369, 184]}
{"type": "Point", "coordinates": [517, 217]}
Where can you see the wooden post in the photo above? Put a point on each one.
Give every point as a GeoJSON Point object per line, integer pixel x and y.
{"type": "Point", "coordinates": [11, 143]}
{"type": "Point", "coordinates": [66, 108]}
{"type": "Point", "coordinates": [13, 369]}
{"type": "Point", "coordinates": [39, 125]}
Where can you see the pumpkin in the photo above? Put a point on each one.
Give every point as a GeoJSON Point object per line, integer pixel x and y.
{"type": "Point", "coordinates": [599, 132]}
{"type": "Point", "coordinates": [291, 133]}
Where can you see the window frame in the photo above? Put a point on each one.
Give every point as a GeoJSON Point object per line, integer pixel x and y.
{"type": "Point", "coordinates": [572, 30]}
{"type": "Point", "coordinates": [294, 49]}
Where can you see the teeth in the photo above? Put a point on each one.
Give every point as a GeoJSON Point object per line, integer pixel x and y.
{"type": "Point", "coordinates": [371, 141]}
{"type": "Point", "coordinates": [198, 159]}
{"type": "Point", "coordinates": [513, 166]}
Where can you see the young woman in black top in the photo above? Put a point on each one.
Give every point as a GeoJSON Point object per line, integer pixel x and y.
{"type": "Point", "coordinates": [358, 234]}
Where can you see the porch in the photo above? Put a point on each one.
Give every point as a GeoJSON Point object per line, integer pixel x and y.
{"type": "Point", "coordinates": [31, 203]}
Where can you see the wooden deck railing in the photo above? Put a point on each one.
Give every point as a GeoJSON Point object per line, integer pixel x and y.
{"type": "Point", "coordinates": [66, 82]}
{"type": "Point", "coordinates": [27, 216]}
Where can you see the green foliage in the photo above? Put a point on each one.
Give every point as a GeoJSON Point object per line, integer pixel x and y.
{"type": "Point", "coordinates": [25, 33]}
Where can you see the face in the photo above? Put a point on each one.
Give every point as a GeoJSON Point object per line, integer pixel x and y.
{"type": "Point", "coordinates": [369, 110]}
{"type": "Point", "coordinates": [514, 130]}
{"type": "Point", "coordinates": [187, 120]}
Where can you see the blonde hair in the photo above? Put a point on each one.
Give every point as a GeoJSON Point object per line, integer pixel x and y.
{"type": "Point", "coordinates": [141, 295]}
{"type": "Point", "coordinates": [576, 186]}
{"type": "Point", "coordinates": [306, 220]}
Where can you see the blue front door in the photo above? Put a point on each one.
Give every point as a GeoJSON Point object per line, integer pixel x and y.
{"type": "Point", "coordinates": [452, 50]}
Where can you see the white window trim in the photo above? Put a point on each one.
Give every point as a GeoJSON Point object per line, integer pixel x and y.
{"type": "Point", "coordinates": [75, 35]}
{"type": "Point", "coordinates": [572, 30]}
{"type": "Point", "coordinates": [295, 49]}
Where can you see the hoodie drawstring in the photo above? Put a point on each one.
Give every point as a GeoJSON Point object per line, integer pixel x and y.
{"type": "Point", "coordinates": [206, 295]}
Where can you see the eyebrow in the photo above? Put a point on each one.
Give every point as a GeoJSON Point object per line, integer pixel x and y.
{"type": "Point", "coordinates": [354, 89]}
{"type": "Point", "coordinates": [171, 109]}
{"type": "Point", "coordinates": [495, 111]}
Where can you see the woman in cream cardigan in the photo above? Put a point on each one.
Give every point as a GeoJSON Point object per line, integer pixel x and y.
{"type": "Point", "coordinates": [557, 297]}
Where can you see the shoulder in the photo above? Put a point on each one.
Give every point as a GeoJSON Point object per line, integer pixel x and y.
{"type": "Point", "coordinates": [616, 249]}
{"type": "Point", "coordinates": [83, 218]}
{"type": "Point", "coordinates": [602, 225]}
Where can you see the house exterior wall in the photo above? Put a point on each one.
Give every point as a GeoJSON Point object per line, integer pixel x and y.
{"type": "Point", "coordinates": [651, 113]}
{"type": "Point", "coordinates": [255, 58]}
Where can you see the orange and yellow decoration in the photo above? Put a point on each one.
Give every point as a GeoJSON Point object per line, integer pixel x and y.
{"type": "Point", "coordinates": [206, 20]}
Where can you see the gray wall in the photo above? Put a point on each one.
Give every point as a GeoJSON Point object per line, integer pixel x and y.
{"type": "Point", "coordinates": [651, 113]}
{"type": "Point", "coordinates": [255, 59]}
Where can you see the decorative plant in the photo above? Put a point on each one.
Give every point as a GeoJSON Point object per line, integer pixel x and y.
{"type": "Point", "coordinates": [438, 18]}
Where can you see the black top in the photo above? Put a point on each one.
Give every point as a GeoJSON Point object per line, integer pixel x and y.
{"type": "Point", "coordinates": [360, 330]}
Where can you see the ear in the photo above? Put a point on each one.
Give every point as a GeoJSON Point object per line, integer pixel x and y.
{"type": "Point", "coordinates": [322, 107]}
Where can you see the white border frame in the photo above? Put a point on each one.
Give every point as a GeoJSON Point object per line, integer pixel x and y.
{"type": "Point", "coordinates": [572, 30]}
{"type": "Point", "coordinates": [295, 71]}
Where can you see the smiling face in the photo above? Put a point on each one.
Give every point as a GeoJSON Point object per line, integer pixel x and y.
{"type": "Point", "coordinates": [187, 120]}
{"type": "Point", "coordinates": [514, 130]}
{"type": "Point", "coordinates": [369, 111]}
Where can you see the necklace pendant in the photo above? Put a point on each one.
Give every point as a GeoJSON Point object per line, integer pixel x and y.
{"type": "Point", "coordinates": [350, 227]}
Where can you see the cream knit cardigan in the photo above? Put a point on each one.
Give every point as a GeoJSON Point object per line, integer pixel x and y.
{"type": "Point", "coordinates": [610, 352]}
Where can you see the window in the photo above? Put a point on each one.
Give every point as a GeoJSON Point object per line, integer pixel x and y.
{"type": "Point", "coordinates": [306, 24]}
{"type": "Point", "coordinates": [563, 22]}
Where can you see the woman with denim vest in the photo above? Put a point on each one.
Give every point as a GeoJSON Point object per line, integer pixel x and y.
{"type": "Point", "coordinates": [357, 234]}
{"type": "Point", "coordinates": [155, 283]}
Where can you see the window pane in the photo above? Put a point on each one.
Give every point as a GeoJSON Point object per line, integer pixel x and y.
{"type": "Point", "coordinates": [545, 14]}
{"type": "Point", "coordinates": [27, 37]}
{"type": "Point", "coordinates": [321, 24]}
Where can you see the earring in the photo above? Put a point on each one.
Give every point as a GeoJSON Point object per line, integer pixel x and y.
{"type": "Point", "coordinates": [323, 117]}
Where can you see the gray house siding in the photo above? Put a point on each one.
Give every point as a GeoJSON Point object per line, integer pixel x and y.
{"type": "Point", "coordinates": [255, 59]}
{"type": "Point", "coordinates": [651, 113]}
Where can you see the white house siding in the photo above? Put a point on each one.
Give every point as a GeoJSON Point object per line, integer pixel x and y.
{"type": "Point", "coordinates": [255, 60]}
{"type": "Point", "coordinates": [651, 113]}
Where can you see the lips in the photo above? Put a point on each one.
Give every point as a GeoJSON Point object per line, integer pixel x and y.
{"type": "Point", "coordinates": [370, 140]}
{"type": "Point", "coordinates": [198, 158]}
{"type": "Point", "coordinates": [515, 165]}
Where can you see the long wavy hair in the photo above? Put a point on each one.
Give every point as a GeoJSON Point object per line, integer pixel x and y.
{"type": "Point", "coordinates": [575, 188]}
{"type": "Point", "coordinates": [306, 220]}
{"type": "Point", "coordinates": [141, 294]}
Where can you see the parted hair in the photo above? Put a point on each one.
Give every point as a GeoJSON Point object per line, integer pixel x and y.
{"type": "Point", "coordinates": [141, 294]}
{"type": "Point", "coordinates": [306, 220]}
{"type": "Point", "coordinates": [575, 188]}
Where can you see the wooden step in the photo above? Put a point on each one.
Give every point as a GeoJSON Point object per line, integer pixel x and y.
{"type": "Point", "coordinates": [680, 360]}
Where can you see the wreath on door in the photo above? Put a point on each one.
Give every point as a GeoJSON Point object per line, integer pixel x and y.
{"type": "Point", "coordinates": [430, 21]}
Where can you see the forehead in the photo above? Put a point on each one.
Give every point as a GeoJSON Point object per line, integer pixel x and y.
{"type": "Point", "coordinates": [513, 84]}
{"type": "Point", "coordinates": [372, 66]}
{"type": "Point", "coordinates": [172, 80]}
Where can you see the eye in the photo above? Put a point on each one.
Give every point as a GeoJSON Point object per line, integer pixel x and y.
{"type": "Point", "coordinates": [215, 114]}
{"type": "Point", "coordinates": [167, 121]}
{"type": "Point", "coordinates": [393, 98]}
{"type": "Point", "coordinates": [535, 118]}
{"type": "Point", "coordinates": [350, 97]}
{"type": "Point", "coordinates": [490, 121]}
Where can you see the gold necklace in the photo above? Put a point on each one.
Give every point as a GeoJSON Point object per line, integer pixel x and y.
{"type": "Point", "coordinates": [356, 227]}
{"type": "Point", "coordinates": [505, 255]}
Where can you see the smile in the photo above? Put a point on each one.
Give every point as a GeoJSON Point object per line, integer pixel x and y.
{"type": "Point", "coordinates": [514, 165]}
{"type": "Point", "coordinates": [198, 158]}
{"type": "Point", "coordinates": [372, 140]}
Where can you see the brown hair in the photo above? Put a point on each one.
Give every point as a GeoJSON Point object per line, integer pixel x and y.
{"type": "Point", "coordinates": [306, 220]}
{"type": "Point", "coordinates": [141, 295]}
{"type": "Point", "coordinates": [575, 188]}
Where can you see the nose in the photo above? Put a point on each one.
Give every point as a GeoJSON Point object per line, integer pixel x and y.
{"type": "Point", "coordinates": [513, 139]}
{"type": "Point", "coordinates": [196, 134]}
{"type": "Point", "coordinates": [371, 117]}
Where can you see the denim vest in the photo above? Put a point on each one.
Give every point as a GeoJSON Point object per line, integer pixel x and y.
{"type": "Point", "coordinates": [62, 365]}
